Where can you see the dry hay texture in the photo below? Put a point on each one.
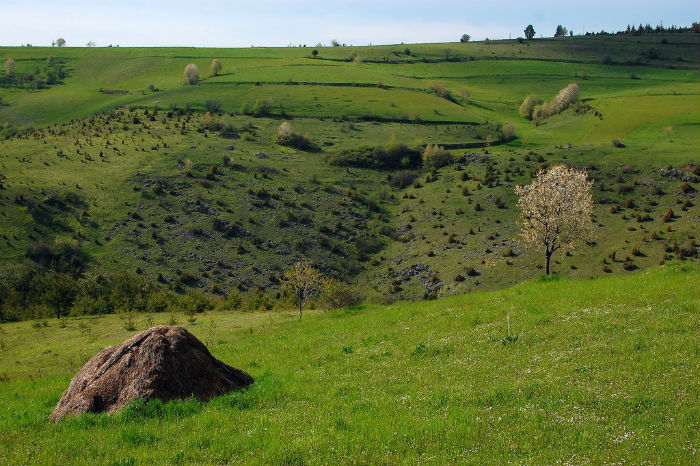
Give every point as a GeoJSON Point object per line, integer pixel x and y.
{"type": "Point", "coordinates": [163, 362]}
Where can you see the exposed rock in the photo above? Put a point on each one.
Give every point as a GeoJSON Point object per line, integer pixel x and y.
{"type": "Point", "coordinates": [474, 158]}
{"type": "Point", "coordinates": [163, 362]}
{"type": "Point", "coordinates": [674, 173]}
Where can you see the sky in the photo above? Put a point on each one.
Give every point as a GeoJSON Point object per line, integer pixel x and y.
{"type": "Point", "coordinates": [218, 23]}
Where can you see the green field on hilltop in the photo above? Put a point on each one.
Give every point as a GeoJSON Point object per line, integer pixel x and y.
{"type": "Point", "coordinates": [494, 72]}
{"type": "Point", "coordinates": [594, 372]}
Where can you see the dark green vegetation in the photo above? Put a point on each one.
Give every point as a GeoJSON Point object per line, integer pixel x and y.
{"type": "Point", "coordinates": [592, 372]}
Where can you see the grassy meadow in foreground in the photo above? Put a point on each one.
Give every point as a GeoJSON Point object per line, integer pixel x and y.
{"type": "Point", "coordinates": [597, 371]}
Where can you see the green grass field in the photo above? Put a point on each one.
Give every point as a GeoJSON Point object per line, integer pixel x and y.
{"type": "Point", "coordinates": [597, 365]}
{"type": "Point", "coordinates": [602, 371]}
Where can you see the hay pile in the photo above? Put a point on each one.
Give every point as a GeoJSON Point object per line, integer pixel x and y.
{"type": "Point", "coordinates": [163, 362]}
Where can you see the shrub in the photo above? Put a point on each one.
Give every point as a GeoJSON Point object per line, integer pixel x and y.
{"type": "Point", "coordinates": [567, 96]}
{"type": "Point", "coordinates": [195, 302]}
{"type": "Point", "coordinates": [10, 66]}
{"type": "Point", "coordinates": [580, 108]}
{"type": "Point", "coordinates": [212, 106]}
{"type": "Point", "coordinates": [691, 250]}
{"type": "Point", "coordinates": [286, 136]}
{"type": "Point", "coordinates": [668, 216]}
{"type": "Point", "coordinates": [392, 156]}
{"type": "Point", "coordinates": [285, 133]}
{"type": "Point", "coordinates": [509, 130]}
{"type": "Point", "coordinates": [215, 67]}
{"type": "Point", "coordinates": [337, 295]}
{"type": "Point", "coordinates": [527, 107]}
{"type": "Point", "coordinates": [263, 107]}
{"type": "Point", "coordinates": [686, 188]}
{"type": "Point", "coordinates": [191, 74]}
{"type": "Point", "coordinates": [558, 104]}
{"type": "Point", "coordinates": [435, 156]}
{"type": "Point", "coordinates": [617, 143]}
{"type": "Point", "coordinates": [539, 113]}
{"type": "Point", "coordinates": [402, 178]}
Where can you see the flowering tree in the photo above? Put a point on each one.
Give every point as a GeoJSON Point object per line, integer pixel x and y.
{"type": "Point", "coordinates": [215, 67]}
{"type": "Point", "coordinates": [191, 74]}
{"type": "Point", "coordinates": [527, 107]}
{"type": "Point", "coordinates": [285, 133]}
{"type": "Point", "coordinates": [10, 66]}
{"type": "Point", "coordinates": [303, 281]}
{"type": "Point", "coordinates": [557, 209]}
{"type": "Point", "coordinates": [558, 104]}
{"type": "Point", "coordinates": [567, 96]}
{"type": "Point", "coordinates": [465, 96]}
{"type": "Point", "coordinates": [509, 130]}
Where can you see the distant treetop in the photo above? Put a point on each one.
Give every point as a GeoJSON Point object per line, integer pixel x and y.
{"type": "Point", "coordinates": [529, 32]}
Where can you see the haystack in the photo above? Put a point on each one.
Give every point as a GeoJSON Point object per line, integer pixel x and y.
{"type": "Point", "coordinates": [163, 362]}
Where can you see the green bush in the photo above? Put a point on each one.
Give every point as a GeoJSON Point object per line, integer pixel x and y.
{"type": "Point", "coordinates": [286, 136]}
{"type": "Point", "coordinates": [212, 106]}
{"type": "Point", "coordinates": [339, 295]}
{"type": "Point", "coordinates": [435, 156]}
{"type": "Point", "coordinates": [195, 302]}
{"type": "Point", "coordinates": [402, 178]}
{"type": "Point", "coordinates": [390, 157]}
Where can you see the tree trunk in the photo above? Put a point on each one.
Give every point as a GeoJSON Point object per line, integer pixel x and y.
{"type": "Point", "coordinates": [547, 257]}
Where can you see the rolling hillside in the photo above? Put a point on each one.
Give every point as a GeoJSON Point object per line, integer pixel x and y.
{"type": "Point", "coordinates": [128, 197]}
{"type": "Point", "coordinates": [125, 165]}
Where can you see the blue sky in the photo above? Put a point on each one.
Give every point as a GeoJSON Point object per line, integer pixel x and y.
{"type": "Point", "coordinates": [216, 23]}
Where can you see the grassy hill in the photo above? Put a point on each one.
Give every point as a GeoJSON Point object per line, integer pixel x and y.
{"type": "Point", "coordinates": [114, 166]}
{"type": "Point", "coordinates": [141, 184]}
{"type": "Point", "coordinates": [592, 372]}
